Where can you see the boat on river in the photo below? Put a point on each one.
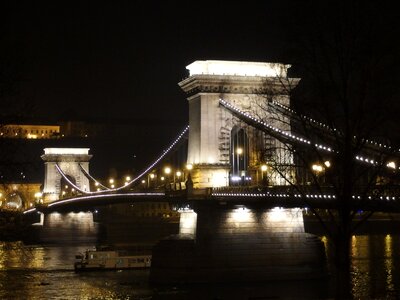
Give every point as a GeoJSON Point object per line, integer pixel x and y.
{"type": "Point", "coordinates": [108, 259]}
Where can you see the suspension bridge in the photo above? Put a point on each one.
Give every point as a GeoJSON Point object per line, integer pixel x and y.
{"type": "Point", "coordinates": [242, 187]}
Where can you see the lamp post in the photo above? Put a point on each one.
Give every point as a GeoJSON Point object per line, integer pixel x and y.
{"type": "Point", "coordinates": [150, 179]}
{"type": "Point", "coordinates": [178, 176]}
{"type": "Point", "coordinates": [263, 168]}
{"type": "Point", "coordinates": [167, 171]}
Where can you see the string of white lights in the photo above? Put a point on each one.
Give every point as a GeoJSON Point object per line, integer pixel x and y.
{"type": "Point", "coordinates": [310, 196]}
{"type": "Point", "coordinates": [151, 166]}
{"type": "Point", "coordinates": [69, 181]}
{"type": "Point", "coordinates": [56, 203]}
{"type": "Point", "coordinates": [325, 126]}
{"type": "Point", "coordinates": [86, 173]}
{"type": "Point", "coordinates": [294, 137]}
{"type": "Point", "coordinates": [285, 134]}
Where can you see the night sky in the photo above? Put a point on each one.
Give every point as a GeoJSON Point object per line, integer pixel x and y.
{"type": "Point", "coordinates": [124, 58]}
{"type": "Point", "coordinates": [121, 61]}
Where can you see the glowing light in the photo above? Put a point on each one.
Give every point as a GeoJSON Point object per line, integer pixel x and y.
{"type": "Point", "coordinates": [187, 222]}
{"type": "Point", "coordinates": [189, 167]}
{"type": "Point", "coordinates": [152, 176]}
{"type": "Point", "coordinates": [392, 165]}
{"type": "Point", "coordinates": [37, 195]}
{"type": "Point", "coordinates": [239, 68]}
{"type": "Point", "coordinates": [276, 214]}
{"type": "Point", "coordinates": [111, 180]}
{"type": "Point", "coordinates": [167, 170]}
{"type": "Point", "coordinates": [127, 178]}
{"type": "Point", "coordinates": [162, 178]}
{"type": "Point", "coordinates": [76, 151]}
{"type": "Point", "coordinates": [327, 163]}
{"type": "Point", "coordinates": [149, 196]}
{"type": "Point", "coordinates": [317, 168]}
{"type": "Point", "coordinates": [143, 181]}
{"type": "Point", "coordinates": [264, 168]}
{"type": "Point", "coordinates": [178, 174]}
{"type": "Point", "coordinates": [241, 214]}
{"type": "Point", "coordinates": [239, 151]}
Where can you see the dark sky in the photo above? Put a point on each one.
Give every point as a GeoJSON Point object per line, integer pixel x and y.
{"type": "Point", "coordinates": [122, 60]}
{"type": "Point", "coordinates": [125, 58]}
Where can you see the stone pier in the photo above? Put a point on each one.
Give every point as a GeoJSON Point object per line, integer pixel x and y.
{"type": "Point", "coordinates": [239, 244]}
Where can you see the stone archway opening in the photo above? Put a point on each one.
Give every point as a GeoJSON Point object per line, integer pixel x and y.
{"type": "Point", "coordinates": [66, 190]}
{"type": "Point", "coordinates": [239, 156]}
{"type": "Point", "coordinates": [14, 201]}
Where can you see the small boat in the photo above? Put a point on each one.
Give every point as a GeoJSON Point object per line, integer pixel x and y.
{"type": "Point", "coordinates": [107, 259]}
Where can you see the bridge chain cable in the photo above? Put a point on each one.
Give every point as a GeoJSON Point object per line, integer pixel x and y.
{"type": "Point", "coordinates": [283, 135]}
{"type": "Point", "coordinates": [69, 181]}
{"type": "Point", "coordinates": [146, 170]}
{"type": "Point", "coordinates": [90, 177]}
{"type": "Point", "coordinates": [272, 130]}
{"type": "Point", "coordinates": [155, 162]}
{"type": "Point", "coordinates": [322, 125]}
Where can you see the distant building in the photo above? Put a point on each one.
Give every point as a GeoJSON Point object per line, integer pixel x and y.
{"type": "Point", "coordinates": [19, 196]}
{"type": "Point", "coordinates": [30, 131]}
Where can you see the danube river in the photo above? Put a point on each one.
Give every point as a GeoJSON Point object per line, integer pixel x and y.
{"type": "Point", "coordinates": [46, 272]}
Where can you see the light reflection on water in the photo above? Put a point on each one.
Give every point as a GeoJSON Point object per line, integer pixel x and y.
{"type": "Point", "coordinates": [46, 272]}
{"type": "Point", "coordinates": [375, 266]}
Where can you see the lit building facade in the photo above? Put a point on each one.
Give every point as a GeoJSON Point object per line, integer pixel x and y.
{"type": "Point", "coordinates": [29, 131]}
{"type": "Point", "coordinates": [19, 196]}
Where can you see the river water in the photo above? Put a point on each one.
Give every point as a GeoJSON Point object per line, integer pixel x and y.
{"type": "Point", "coordinates": [46, 272]}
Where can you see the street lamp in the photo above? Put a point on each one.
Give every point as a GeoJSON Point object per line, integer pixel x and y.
{"type": "Point", "coordinates": [317, 168]}
{"type": "Point", "coordinates": [150, 179]}
{"type": "Point", "coordinates": [167, 171]}
{"type": "Point", "coordinates": [111, 181]}
{"type": "Point", "coordinates": [178, 175]}
{"type": "Point", "coordinates": [263, 168]}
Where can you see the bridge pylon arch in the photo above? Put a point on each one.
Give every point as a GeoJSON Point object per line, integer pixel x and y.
{"type": "Point", "coordinates": [248, 86]}
{"type": "Point", "coordinates": [70, 161]}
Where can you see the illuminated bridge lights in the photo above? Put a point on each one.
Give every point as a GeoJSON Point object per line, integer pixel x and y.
{"type": "Point", "coordinates": [370, 161]}
{"type": "Point", "coordinates": [281, 132]}
{"type": "Point", "coordinates": [165, 152]}
{"type": "Point", "coordinates": [292, 136]}
{"type": "Point", "coordinates": [374, 143]}
{"type": "Point", "coordinates": [93, 197]}
{"type": "Point", "coordinates": [280, 195]}
{"type": "Point", "coordinates": [246, 114]}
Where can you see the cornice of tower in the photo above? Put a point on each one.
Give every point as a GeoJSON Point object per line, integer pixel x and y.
{"type": "Point", "coordinates": [203, 83]}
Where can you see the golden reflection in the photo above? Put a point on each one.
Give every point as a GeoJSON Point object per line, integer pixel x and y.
{"type": "Point", "coordinates": [389, 263]}
{"type": "Point", "coordinates": [2, 256]}
{"type": "Point", "coordinates": [361, 271]}
{"type": "Point", "coordinates": [354, 250]}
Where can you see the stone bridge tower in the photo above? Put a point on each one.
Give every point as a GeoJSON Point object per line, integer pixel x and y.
{"type": "Point", "coordinates": [70, 161]}
{"type": "Point", "coordinates": [222, 148]}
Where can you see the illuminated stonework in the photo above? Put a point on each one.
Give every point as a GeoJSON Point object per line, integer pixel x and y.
{"type": "Point", "coordinates": [246, 85]}
{"type": "Point", "coordinates": [237, 68]}
{"type": "Point", "coordinates": [70, 161]}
